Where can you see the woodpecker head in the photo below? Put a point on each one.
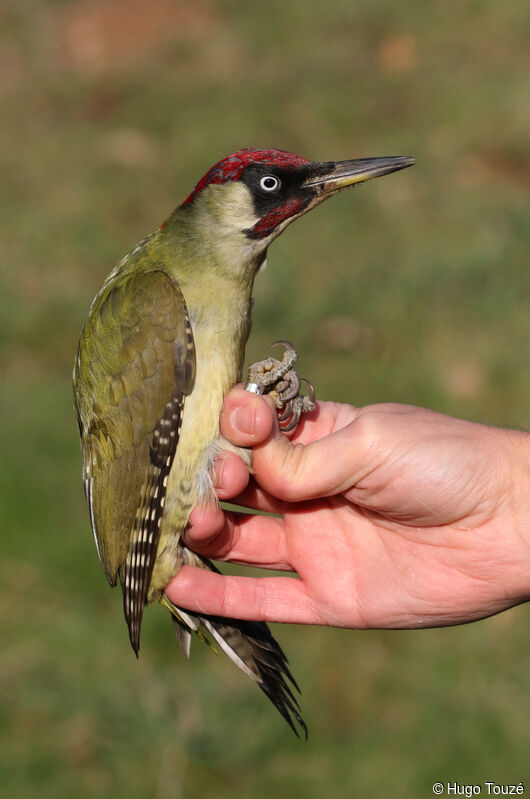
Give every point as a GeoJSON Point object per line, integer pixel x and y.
{"type": "Point", "coordinates": [255, 194]}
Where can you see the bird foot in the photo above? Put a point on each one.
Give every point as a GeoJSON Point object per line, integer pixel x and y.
{"type": "Point", "coordinates": [279, 380]}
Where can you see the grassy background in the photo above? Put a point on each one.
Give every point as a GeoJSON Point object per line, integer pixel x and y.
{"type": "Point", "coordinates": [415, 289]}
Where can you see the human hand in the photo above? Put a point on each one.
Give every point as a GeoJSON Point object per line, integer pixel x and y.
{"type": "Point", "coordinates": [392, 516]}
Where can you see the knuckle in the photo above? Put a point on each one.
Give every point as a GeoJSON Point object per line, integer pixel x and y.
{"type": "Point", "coordinates": [260, 601]}
{"type": "Point", "coordinates": [223, 599]}
{"type": "Point", "coordinates": [289, 470]}
{"type": "Point", "coordinates": [369, 429]}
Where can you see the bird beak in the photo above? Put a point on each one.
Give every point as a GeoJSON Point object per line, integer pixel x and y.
{"type": "Point", "coordinates": [337, 175]}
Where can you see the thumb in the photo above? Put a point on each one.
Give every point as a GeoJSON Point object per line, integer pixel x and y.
{"type": "Point", "coordinates": [294, 472]}
{"type": "Point", "coordinates": [289, 471]}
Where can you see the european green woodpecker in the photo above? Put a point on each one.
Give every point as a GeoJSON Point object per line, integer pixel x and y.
{"type": "Point", "coordinates": [163, 343]}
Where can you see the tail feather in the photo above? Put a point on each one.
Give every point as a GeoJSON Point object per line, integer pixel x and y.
{"type": "Point", "coordinates": [266, 664]}
{"type": "Point", "coordinates": [183, 636]}
{"type": "Point", "coordinates": [251, 646]}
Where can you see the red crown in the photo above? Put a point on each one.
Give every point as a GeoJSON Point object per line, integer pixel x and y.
{"type": "Point", "coordinates": [231, 167]}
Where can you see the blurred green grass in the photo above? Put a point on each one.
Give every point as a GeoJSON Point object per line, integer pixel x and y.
{"type": "Point", "coordinates": [414, 289]}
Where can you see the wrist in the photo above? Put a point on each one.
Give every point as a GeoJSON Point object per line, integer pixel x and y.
{"type": "Point", "coordinates": [518, 501]}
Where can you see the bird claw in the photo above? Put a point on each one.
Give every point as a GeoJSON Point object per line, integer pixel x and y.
{"type": "Point", "coordinates": [279, 380]}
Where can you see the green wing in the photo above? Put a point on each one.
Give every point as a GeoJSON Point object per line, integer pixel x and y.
{"type": "Point", "coordinates": [135, 365]}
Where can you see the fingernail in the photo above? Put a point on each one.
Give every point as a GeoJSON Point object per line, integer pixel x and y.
{"type": "Point", "coordinates": [243, 419]}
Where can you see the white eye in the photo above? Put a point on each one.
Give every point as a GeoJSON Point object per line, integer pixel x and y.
{"type": "Point", "coordinates": [269, 183]}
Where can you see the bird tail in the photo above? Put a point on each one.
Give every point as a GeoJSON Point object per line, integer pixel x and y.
{"type": "Point", "coordinates": [251, 646]}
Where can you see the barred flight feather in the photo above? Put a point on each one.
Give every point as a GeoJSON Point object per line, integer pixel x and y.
{"type": "Point", "coordinates": [145, 534]}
